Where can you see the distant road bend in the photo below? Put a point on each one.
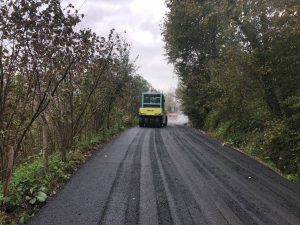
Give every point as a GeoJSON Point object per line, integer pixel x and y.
{"type": "Point", "coordinates": [172, 175]}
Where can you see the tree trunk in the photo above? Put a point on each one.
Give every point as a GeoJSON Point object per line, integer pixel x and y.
{"type": "Point", "coordinates": [67, 143]}
{"type": "Point", "coordinates": [2, 157]}
{"type": "Point", "coordinates": [108, 115]}
{"type": "Point", "coordinates": [65, 148]}
{"type": "Point", "coordinates": [9, 169]}
{"type": "Point", "coordinates": [45, 141]}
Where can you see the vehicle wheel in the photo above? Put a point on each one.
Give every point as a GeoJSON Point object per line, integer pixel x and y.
{"type": "Point", "coordinates": [151, 122]}
{"type": "Point", "coordinates": [141, 122]}
{"type": "Point", "coordinates": [166, 122]}
{"type": "Point", "coordinates": [158, 122]}
{"type": "Point", "coordinates": [146, 122]}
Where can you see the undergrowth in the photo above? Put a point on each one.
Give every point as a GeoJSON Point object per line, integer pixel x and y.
{"type": "Point", "coordinates": [275, 142]}
{"type": "Point", "coordinates": [31, 185]}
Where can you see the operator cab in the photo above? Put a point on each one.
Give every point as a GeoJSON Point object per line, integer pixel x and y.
{"type": "Point", "coordinates": [150, 100]}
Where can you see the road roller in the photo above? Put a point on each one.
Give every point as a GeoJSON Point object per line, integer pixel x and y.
{"type": "Point", "coordinates": [152, 112]}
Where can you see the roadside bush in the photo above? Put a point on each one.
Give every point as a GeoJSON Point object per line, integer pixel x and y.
{"type": "Point", "coordinates": [221, 130]}
{"type": "Point", "coordinates": [74, 158]}
{"type": "Point", "coordinates": [212, 121]}
{"type": "Point", "coordinates": [291, 108]}
{"type": "Point", "coordinates": [231, 131]}
{"type": "Point", "coordinates": [31, 185]}
{"type": "Point", "coordinates": [29, 189]}
{"type": "Point", "coordinates": [277, 142]}
{"type": "Point", "coordinates": [282, 145]}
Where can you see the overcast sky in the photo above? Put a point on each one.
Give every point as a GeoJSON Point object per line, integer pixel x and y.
{"type": "Point", "coordinates": [141, 19]}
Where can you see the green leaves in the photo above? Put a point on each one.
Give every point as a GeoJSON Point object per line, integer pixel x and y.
{"type": "Point", "coordinates": [41, 196]}
{"type": "Point", "coordinates": [33, 200]}
{"type": "Point", "coordinates": [24, 218]}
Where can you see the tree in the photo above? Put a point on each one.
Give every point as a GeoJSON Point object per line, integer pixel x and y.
{"type": "Point", "coordinates": [52, 75]}
{"type": "Point", "coordinates": [28, 26]}
{"type": "Point", "coordinates": [237, 62]}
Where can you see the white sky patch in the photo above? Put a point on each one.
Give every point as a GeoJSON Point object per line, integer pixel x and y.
{"type": "Point", "coordinates": [141, 20]}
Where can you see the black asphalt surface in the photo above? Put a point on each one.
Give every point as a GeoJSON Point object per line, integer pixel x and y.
{"type": "Point", "coordinates": [172, 175]}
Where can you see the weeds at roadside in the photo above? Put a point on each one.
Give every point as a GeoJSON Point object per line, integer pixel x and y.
{"type": "Point", "coordinates": [32, 186]}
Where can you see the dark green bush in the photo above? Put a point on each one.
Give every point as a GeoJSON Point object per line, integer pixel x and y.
{"type": "Point", "coordinates": [282, 144]}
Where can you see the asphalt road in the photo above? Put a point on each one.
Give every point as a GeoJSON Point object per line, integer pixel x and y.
{"type": "Point", "coordinates": [172, 175]}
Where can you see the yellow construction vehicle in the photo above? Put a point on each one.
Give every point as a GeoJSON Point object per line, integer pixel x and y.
{"type": "Point", "coordinates": [152, 112]}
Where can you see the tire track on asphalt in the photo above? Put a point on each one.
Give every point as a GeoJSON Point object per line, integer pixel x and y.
{"type": "Point", "coordinates": [200, 185]}
{"type": "Point", "coordinates": [125, 203]}
{"type": "Point", "coordinates": [260, 185]}
{"type": "Point", "coordinates": [162, 202]}
{"type": "Point", "coordinates": [217, 177]}
{"type": "Point", "coordinates": [184, 199]}
{"type": "Point", "coordinates": [147, 211]}
{"type": "Point", "coordinates": [230, 154]}
{"type": "Point", "coordinates": [133, 201]}
{"type": "Point", "coordinates": [217, 191]}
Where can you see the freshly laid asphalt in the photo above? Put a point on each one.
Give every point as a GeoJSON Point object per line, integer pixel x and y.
{"type": "Point", "coordinates": [172, 175]}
